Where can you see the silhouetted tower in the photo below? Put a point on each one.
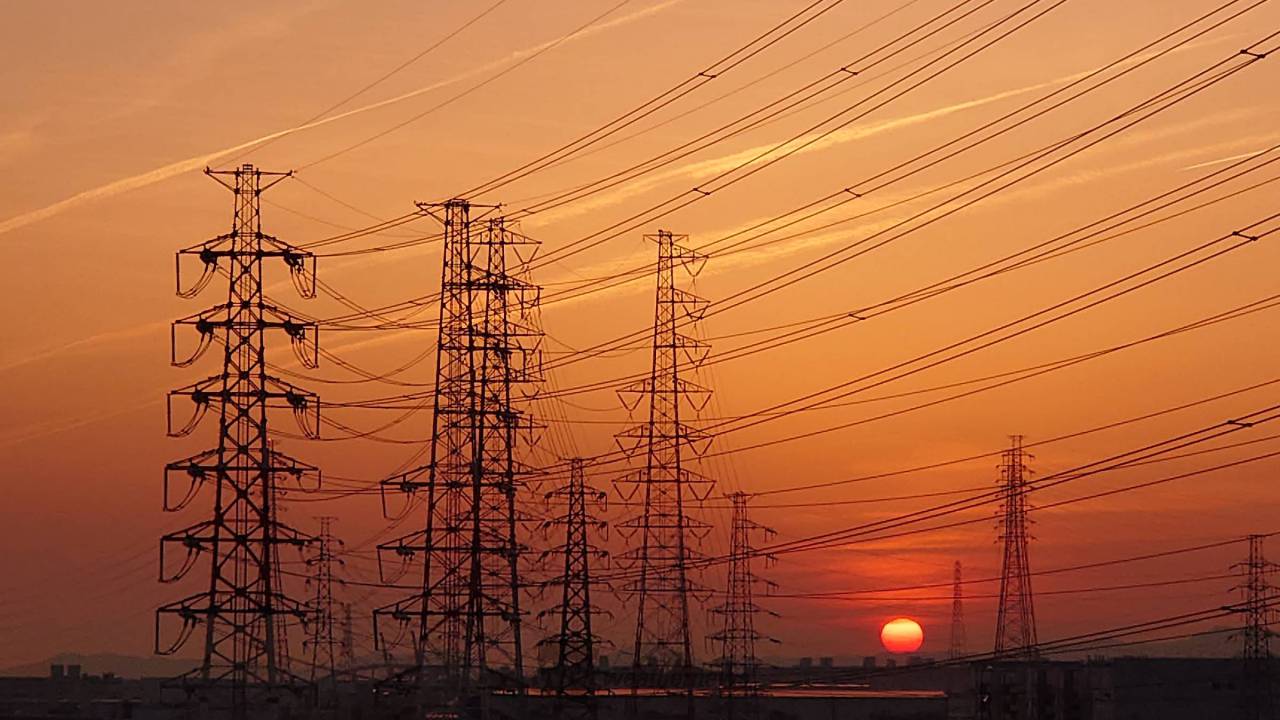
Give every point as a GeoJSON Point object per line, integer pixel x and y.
{"type": "Point", "coordinates": [243, 610]}
{"type": "Point", "coordinates": [1016, 617]}
{"type": "Point", "coordinates": [1256, 634]}
{"type": "Point", "coordinates": [348, 658]}
{"type": "Point", "coordinates": [661, 449]}
{"type": "Point", "coordinates": [467, 613]}
{"type": "Point", "coordinates": [573, 678]}
{"type": "Point", "coordinates": [323, 643]}
{"type": "Point", "coordinates": [738, 663]}
{"type": "Point", "coordinates": [959, 643]}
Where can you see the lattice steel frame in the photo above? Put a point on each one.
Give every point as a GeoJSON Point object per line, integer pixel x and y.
{"type": "Point", "coordinates": [661, 449]}
{"type": "Point", "coordinates": [244, 611]}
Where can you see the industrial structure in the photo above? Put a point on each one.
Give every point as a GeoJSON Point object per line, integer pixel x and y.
{"type": "Point", "coordinates": [575, 513]}
{"type": "Point", "coordinates": [464, 624]}
{"type": "Point", "coordinates": [1256, 609]}
{"type": "Point", "coordinates": [738, 662]}
{"type": "Point", "coordinates": [959, 646]}
{"type": "Point", "coordinates": [326, 649]}
{"type": "Point", "coordinates": [1015, 615]}
{"type": "Point", "coordinates": [663, 447]}
{"type": "Point", "coordinates": [244, 614]}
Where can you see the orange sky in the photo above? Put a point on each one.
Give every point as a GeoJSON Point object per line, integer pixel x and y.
{"type": "Point", "coordinates": [113, 108]}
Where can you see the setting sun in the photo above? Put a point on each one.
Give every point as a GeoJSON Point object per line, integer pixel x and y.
{"type": "Point", "coordinates": [901, 635]}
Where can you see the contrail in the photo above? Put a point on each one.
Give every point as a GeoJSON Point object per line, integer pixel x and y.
{"type": "Point", "coordinates": [827, 238]}
{"type": "Point", "coordinates": [198, 162]}
{"type": "Point", "coordinates": [1222, 161]}
{"type": "Point", "coordinates": [817, 142]}
{"type": "Point", "coordinates": [749, 259]}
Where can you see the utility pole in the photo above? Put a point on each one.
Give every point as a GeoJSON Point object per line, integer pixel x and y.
{"type": "Point", "coordinates": [661, 448]}
{"type": "Point", "coordinates": [1256, 634]}
{"type": "Point", "coordinates": [573, 678]}
{"type": "Point", "coordinates": [1016, 617]}
{"type": "Point", "coordinates": [244, 610]}
{"type": "Point", "coordinates": [959, 643]}
{"type": "Point", "coordinates": [738, 663]}
{"type": "Point", "coordinates": [467, 613]}
{"type": "Point", "coordinates": [323, 640]}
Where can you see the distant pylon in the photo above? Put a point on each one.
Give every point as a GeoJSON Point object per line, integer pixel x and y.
{"type": "Point", "coordinates": [322, 642]}
{"type": "Point", "coordinates": [466, 619]}
{"type": "Point", "coordinates": [959, 643]}
{"type": "Point", "coordinates": [244, 610]}
{"type": "Point", "coordinates": [1256, 635]}
{"type": "Point", "coordinates": [348, 659]}
{"type": "Point", "coordinates": [1015, 617]}
{"type": "Point", "coordinates": [738, 662]}
{"type": "Point", "coordinates": [661, 447]}
{"type": "Point", "coordinates": [573, 677]}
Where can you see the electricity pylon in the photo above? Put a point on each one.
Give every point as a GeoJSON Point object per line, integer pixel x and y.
{"type": "Point", "coordinates": [322, 642]}
{"type": "Point", "coordinates": [466, 618]}
{"type": "Point", "coordinates": [1257, 691]}
{"type": "Point", "coordinates": [244, 610]}
{"type": "Point", "coordinates": [348, 640]}
{"type": "Point", "coordinates": [1015, 617]}
{"type": "Point", "coordinates": [661, 449]}
{"type": "Point", "coordinates": [959, 642]}
{"type": "Point", "coordinates": [573, 678]}
{"type": "Point", "coordinates": [738, 663]}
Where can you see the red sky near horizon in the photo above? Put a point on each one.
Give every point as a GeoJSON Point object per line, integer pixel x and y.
{"type": "Point", "coordinates": [105, 138]}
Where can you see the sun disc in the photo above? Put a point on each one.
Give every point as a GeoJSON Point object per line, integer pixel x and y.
{"type": "Point", "coordinates": [901, 635]}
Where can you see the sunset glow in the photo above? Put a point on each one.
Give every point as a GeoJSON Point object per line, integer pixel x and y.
{"type": "Point", "coordinates": [817, 303]}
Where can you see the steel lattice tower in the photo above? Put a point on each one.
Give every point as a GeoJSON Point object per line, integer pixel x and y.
{"type": "Point", "coordinates": [466, 619]}
{"type": "Point", "coordinates": [244, 610]}
{"type": "Point", "coordinates": [1256, 634]}
{"type": "Point", "coordinates": [348, 639]}
{"type": "Point", "coordinates": [959, 641]}
{"type": "Point", "coordinates": [1016, 617]}
{"type": "Point", "coordinates": [661, 448]}
{"type": "Point", "coordinates": [573, 679]}
{"type": "Point", "coordinates": [738, 662]}
{"type": "Point", "coordinates": [323, 643]}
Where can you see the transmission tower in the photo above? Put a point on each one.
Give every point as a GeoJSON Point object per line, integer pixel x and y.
{"type": "Point", "coordinates": [661, 448]}
{"type": "Point", "coordinates": [323, 643]}
{"type": "Point", "coordinates": [466, 619]}
{"type": "Point", "coordinates": [244, 610]}
{"type": "Point", "coordinates": [1256, 634]}
{"type": "Point", "coordinates": [348, 639]}
{"type": "Point", "coordinates": [573, 678]}
{"type": "Point", "coordinates": [737, 637]}
{"type": "Point", "coordinates": [1016, 617]}
{"type": "Point", "coordinates": [959, 643]}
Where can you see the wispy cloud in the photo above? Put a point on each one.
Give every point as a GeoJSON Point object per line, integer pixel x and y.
{"type": "Point", "coordinates": [1225, 160]}
{"type": "Point", "coordinates": [878, 222]}
{"type": "Point", "coordinates": [197, 162]}
{"type": "Point", "coordinates": [768, 255]}
{"type": "Point", "coordinates": [811, 143]}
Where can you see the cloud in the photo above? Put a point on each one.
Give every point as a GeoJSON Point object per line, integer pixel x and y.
{"type": "Point", "coordinates": [822, 239]}
{"type": "Point", "coordinates": [812, 142]}
{"type": "Point", "coordinates": [197, 162]}
{"type": "Point", "coordinates": [1225, 160]}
